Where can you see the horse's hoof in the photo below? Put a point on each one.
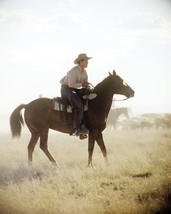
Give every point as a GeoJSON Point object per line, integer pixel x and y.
{"type": "Point", "coordinates": [55, 164]}
{"type": "Point", "coordinates": [91, 165]}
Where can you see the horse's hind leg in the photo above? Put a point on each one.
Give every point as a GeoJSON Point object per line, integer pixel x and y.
{"type": "Point", "coordinates": [43, 146]}
{"type": "Point", "coordinates": [32, 143]}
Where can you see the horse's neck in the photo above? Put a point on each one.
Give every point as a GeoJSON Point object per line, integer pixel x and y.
{"type": "Point", "coordinates": [107, 105]}
{"type": "Point", "coordinates": [123, 111]}
{"type": "Point", "coordinates": [119, 112]}
{"type": "Point", "coordinates": [104, 101]}
{"type": "Point", "coordinates": [105, 94]}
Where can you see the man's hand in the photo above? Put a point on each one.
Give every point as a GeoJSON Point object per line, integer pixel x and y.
{"type": "Point", "coordinates": [85, 84]}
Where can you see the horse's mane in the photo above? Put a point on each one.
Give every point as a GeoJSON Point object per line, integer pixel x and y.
{"type": "Point", "coordinates": [104, 85]}
{"type": "Point", "coordinates": [109, 86]}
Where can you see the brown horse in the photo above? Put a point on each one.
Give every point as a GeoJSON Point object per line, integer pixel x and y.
{"type": "Point", "coordinates": [40, 117]}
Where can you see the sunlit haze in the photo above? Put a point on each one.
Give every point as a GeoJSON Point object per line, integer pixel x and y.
{"type": "Point", "coordinates": [39, 41]}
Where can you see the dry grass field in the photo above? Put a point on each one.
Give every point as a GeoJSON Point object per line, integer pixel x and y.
{"type": "Point", "coordinates": [138, 179]}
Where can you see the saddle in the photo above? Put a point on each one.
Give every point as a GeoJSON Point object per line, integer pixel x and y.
{"type": "Point", "coordinates": [62, 104]}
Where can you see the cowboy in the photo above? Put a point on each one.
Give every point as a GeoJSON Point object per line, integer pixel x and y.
{"type": "Point", "coordinates": [76, 78]}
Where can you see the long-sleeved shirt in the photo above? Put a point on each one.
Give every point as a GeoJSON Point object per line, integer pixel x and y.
{"type": "Point", "coordinates": [75, 77]}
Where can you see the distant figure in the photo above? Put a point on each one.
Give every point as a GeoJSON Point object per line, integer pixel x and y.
{"type": "Point", "coordinates": [76, 78]}
{"type": "Point", "coordinates": [114, 115]}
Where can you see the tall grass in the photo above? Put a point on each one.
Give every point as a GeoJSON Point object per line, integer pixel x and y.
{"type": "Point", "coordinates": [137, 180]}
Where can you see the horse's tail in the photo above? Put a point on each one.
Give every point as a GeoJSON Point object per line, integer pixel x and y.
{"type": "Point", "coordinates": [16, 120]}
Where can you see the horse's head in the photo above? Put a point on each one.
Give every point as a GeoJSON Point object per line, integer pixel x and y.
{"type": "Point", "coordinates": [119, 86]}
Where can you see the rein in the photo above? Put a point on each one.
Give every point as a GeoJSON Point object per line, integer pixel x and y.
{"type": "Point", "coordinates": [91, 85]}
{"type": "Point", "coordinates": [120, 100]}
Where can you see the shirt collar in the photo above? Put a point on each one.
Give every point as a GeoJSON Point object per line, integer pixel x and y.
{"type": "Point", "coordinates": [80, 68]}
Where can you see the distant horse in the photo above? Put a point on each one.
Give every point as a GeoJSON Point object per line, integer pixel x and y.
{"type": "Point", "coordinates": [114, 115]}
{"type": "Point", "coordinates": [40, 117]}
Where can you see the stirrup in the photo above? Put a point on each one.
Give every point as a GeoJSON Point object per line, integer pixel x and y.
{"type": "Point", "coordinates": [79, 132]}
{"type": "Point", "coordinates": [83, 137]}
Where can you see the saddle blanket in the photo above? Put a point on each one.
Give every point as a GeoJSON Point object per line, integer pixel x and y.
{"type": "Point", "coordinates": [60, 107]}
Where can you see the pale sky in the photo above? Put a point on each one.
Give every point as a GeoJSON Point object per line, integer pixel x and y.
{"type": "Point", "coordinates": [39, 40]}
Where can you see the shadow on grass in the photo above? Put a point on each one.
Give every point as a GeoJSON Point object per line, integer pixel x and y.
{"type": "Point", "coordinates": [20, 173]}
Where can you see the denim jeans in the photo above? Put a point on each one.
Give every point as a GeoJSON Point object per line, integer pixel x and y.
{"type": "Point", "coordinates": [65, 92]}
{"type": "Point", "coordinates": [76, 103]}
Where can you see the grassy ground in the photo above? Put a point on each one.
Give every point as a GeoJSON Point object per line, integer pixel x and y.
{"type": "Point", "coordinates": [137, 180]}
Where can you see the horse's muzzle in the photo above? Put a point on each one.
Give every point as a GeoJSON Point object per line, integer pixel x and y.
{"type": "Point", "coordinates": [130, 93]}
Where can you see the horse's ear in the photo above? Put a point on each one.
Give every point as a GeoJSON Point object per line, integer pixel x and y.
{"type": "Point", "coordinates": [114, 73]}
{"type": "Point", "coordinates": [110, 74]}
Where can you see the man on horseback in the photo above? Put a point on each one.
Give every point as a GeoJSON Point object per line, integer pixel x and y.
{"type": "Point", "coordinates": [76, 78]}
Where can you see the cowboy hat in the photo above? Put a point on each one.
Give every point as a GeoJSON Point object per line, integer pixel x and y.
{"type": "Point", "coordinates": [80, 57]}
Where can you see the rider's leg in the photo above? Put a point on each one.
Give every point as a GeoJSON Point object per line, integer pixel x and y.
{"type": "Point", "coordinates": [78, 113]}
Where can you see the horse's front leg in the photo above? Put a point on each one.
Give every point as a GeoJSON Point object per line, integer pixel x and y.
{"type": "Point", "coordinates": [91, 141]}
{"type": "Point", "coordinates": [101, 144]}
